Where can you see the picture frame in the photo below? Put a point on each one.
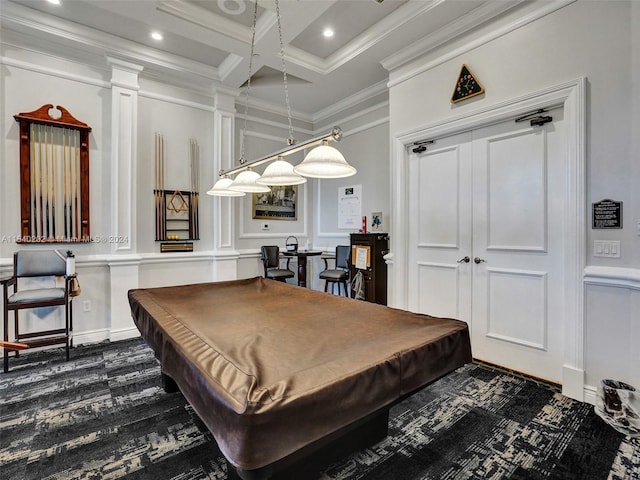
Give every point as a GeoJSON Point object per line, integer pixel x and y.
{"type": "Point", "coordinates": [279, 204]}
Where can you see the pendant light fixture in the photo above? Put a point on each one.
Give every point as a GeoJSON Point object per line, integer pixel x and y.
{"type": "Point", "coordinates": [221, 189]}
{"type": "Point", "coordinates": [246, 182]}
{"type": "Point", "coordinates": [324, 161]}
{"type": "Point", "coordinates": [280, 172]}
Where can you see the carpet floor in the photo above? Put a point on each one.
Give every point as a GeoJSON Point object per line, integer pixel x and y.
{"type": "Point", "coordinates": [104, 415]}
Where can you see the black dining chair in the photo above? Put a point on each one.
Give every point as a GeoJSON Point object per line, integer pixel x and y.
{"type": "Point", "coordinates": [270, 256]}
{"type": "Point", "coordinates": [340, 273]}
{"type": "Point", "coordinates": [37, 264]}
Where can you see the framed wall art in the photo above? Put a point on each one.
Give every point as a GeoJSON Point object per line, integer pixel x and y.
{"type": "Point", "coordinates": [281, 203]}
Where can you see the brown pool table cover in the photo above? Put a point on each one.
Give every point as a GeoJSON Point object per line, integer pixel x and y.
{"type": "Point", "coordinates": [270, 367]}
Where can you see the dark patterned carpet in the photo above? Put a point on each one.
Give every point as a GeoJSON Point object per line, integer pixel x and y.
{"type": "Point", "coordinates": [104, 415]}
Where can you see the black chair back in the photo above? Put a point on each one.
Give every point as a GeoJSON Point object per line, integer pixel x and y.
{"type": "Point", "coordinates": [270, 255]}
{"type": "Point", "coordinates": [343, 253]}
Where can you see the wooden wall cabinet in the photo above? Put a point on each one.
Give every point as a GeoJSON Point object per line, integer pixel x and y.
{"type": "Point", "coordinates": [375, 276]}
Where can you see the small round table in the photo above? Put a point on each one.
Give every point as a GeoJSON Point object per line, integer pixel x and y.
{"type": "Point", "coordinates": [302, 263]}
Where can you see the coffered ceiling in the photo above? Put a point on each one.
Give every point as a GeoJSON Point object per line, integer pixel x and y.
{"type": "Point", "coordinates": [207, 42]}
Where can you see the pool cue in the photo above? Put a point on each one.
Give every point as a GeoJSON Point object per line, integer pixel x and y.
{"type": "Point", "coordinates": [53, 185]}
{"type": "Point", "coordinates": [162, 197]}
{"type": "Point", "coordinates": [33, 230]}
{"type": "Point", "coordinates": [47, 184]}
{"type": "Point", "coordinates": [156, 186]}
{"type": "Point", "coordinates": [196, 177]}
{"type": "Point", "coordinates": [40, 217]}
{"type": "Point", "coordinates": [74, 234]}
{"type": "Point", "coordinates": [64, 181]}
{"type": "Point", "coordinates": [159, 192]}
{"type": "Point", "coordinates": [191, 168]}
{"type": "Point", "coordinates": [76, 167]}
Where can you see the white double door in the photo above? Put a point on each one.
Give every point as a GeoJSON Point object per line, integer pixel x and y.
{"type": "Point", "coordinates": [486, 241]}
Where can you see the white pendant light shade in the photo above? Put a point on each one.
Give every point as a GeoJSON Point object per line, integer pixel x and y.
{"type": "Point", "coordinates": [280, 172]}
{"type": "Point", "coordinates": [324, 161]}
{"type": "Point", "coordinates": [221, 189]}
{"type": "Point", "coordinates": [246, 182]}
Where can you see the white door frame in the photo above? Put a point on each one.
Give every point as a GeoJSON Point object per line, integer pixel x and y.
{"type": "Point", "coordinates": [572, 97]}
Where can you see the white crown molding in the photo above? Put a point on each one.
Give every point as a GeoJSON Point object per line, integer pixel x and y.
{"type": "Point", "coordinates": [176, 101]}
{"type": "Point", "coordinates": [270, 123]}
{"type": "Point", "coordinates": [539, 9]}
{"type": "Point", "coordinates": [210, 21]}
{"type": "Point", "coordinates": [355, 116]}
{"type": "Point", "coordinates": [102, 83]}
{"type": "Point", "coordinates": [47, 28]}
{"type": "Point", "coordinates": [281, 125]}
{"type": "Point", "coordinates": [277, 109]}
{"type": "Point", "coordinates": [228, 65]}
{"type": "Point", "coordinates": [361, 43]}
{"type": "Point", "coordinates": [54, 73]}
{"type": "Point", "coordinates": [367, 126]}
{"type": "Point", "coordinates": [263, 136]}
{"type": "Point", "coordinates": [476, 17]}
{"type": "Point", "coordinates": [352, 101]}
{"type": "Point", "coordinates": [613, 277]}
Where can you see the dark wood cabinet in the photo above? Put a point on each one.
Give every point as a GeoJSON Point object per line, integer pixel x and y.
{"type": "Point", "coordinates": [375, 275]}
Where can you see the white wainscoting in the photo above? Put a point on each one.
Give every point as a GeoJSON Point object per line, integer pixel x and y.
{"type": "Point", "coordinates": [612, 325]}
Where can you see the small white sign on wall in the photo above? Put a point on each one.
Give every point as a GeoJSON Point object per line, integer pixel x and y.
{"type": "Point", "coordinates": [350, 207]}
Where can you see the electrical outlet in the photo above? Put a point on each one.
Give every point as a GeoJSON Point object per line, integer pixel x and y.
{"type": "Point", "coordinates": [86, 305]}
{"type": "Point", "coordinates": [606, 248]}
{"type": "Point", "coordinates": [265, 227]}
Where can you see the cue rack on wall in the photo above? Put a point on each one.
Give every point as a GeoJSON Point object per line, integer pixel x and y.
{"type": "Point", "coordinates": [54, 176]}
{"type": "Point", "coordinates": [176, 210]}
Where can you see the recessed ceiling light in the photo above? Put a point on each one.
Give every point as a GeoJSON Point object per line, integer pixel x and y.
{"type": "Point", "coordinates": [55, 2]}
{"type": "Point", "coordinates": [156, 35]}
{"type": "Point", "coordinates": [328, 32]}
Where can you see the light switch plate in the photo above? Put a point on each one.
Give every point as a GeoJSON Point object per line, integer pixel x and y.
{"type": "Point", "coordinates": [606, 248]}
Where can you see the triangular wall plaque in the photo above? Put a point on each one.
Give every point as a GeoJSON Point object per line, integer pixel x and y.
{"type": "Point", "coordinates": [467, 85]}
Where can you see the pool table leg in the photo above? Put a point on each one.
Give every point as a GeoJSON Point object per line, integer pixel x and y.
{"type": "Point", "coordinates": [168, 384]}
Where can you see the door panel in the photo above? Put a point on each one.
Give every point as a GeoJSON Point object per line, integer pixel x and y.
{"type": "Point", "coordinates": [518, 289]}
{"type": "Point", "coordinates": [439, 233]}
{"type": "Point", "coordinates": [438, 179]}
{"type": "Point", "coordinates": [440, 286]}
{"type": "Point", "coordinates": [508, 291]}
{"type": "Point", "coordinates": [490, 195]}
{"type": "Point", "coordinates": [516, 191]}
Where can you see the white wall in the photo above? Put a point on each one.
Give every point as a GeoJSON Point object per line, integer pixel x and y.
{"type": "Point", "coordinates": [597, 40]}
{"type": "Point", "coordinates": [29, 79]}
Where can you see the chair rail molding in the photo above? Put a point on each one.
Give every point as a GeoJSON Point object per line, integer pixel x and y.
{"type": "Point", "coordinates": [613, 277]}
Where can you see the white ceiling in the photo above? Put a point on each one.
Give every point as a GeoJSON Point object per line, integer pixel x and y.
{"type": "Point", "coordinates": [208, 41]}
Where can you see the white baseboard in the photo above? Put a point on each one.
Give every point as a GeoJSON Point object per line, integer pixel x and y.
{"type": "Point", "coordinates": [93, 336]}
{"type": "Point", "coordinates": [573, 383]}
{"type": "Point", "coordinates": [590, 393]}
{"type": "Point", "coordinates": [124, 334]}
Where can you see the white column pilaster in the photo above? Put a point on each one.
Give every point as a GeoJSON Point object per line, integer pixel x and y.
{"type": "Point", "coordinates": [225, 262]}
{"type": "Point", "coordinates": [124, 263]}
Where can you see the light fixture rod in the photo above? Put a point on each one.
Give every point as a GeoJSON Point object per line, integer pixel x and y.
{"type": "Point", "coordinates": [335, 134]}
